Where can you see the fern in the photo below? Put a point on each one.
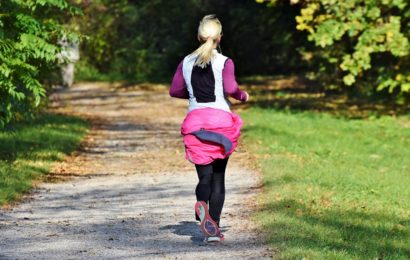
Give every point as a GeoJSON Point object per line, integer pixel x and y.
{"type": "Point", "coordinates": [29, 30]}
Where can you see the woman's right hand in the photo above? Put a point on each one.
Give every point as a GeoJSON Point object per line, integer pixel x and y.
{"type": "Point", "coordinates": [247, 96]}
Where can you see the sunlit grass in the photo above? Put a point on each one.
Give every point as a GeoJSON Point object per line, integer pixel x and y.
{"type": "Point", "coordinates": [28, 150]}
{"type": "Point", "coordinates": [333, 188]}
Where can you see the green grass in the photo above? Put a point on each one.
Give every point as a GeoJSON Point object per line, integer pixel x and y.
{"type": "Point", "coordinates": [334, 188]}
{"type": "Point", "coordinates": [27, 151]}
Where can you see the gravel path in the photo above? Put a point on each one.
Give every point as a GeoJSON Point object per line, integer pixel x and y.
{"type": "Point", "coordinates": [128, 193]}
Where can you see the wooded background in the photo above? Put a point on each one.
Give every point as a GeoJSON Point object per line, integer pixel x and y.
{"type": "Point", "coordinates": [356, 45]}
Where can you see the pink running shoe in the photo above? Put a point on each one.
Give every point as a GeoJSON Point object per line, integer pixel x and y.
{"type": "Point", "coordinates": [208, 226]}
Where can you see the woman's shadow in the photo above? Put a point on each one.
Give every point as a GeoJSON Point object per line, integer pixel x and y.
{"type": "Point", "coordinates": [189, 228]}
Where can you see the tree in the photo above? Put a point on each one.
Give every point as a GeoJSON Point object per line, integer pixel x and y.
{"type": "Point", "coordinates": [29, 31]}
{"type": "Point", "coordinates": [145, 39]}
{"type": "Point", "coordinates": [364, 41]}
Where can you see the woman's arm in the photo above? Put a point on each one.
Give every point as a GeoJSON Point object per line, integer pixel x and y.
{"type": "Point", "coordinates": [230, 85]}
{"type": "Point", "coordinates": [178, 88]}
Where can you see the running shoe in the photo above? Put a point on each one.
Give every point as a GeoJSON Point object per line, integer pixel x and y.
{"type": "Point", "coordinates": [208, 226]}
{"type": "Point", "coordinates": [217, 238]}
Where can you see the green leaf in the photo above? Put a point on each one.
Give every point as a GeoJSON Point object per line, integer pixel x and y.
{"type": "Point", "coordinates": [349, 79]}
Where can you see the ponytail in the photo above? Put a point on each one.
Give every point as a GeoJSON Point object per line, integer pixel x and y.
{"type": "Point", "coordinates": [208, 32]}
{"type": "Point", "coordinates": [204, 53]}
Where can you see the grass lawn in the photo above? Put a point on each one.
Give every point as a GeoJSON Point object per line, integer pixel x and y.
{"type": "Point", "coordinates": [27, 151]}
{"type": "Point", "coordinates": [336, 171]}
{"type": "Point", "coordinates": [334, 188]}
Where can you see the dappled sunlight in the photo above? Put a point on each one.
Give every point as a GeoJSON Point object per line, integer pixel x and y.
{"type": "Point", "coordinates": [299, 94]}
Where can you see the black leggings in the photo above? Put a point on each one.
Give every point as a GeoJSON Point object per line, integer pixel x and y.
{"type": "Point", "coordinates": [211, 186]}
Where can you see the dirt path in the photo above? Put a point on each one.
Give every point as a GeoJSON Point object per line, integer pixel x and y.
{"type": "Point", "coordinates": [131, 193]}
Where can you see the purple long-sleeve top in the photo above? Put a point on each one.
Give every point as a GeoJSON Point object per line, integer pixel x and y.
{"type": "Point", "coordinates": [179, 90]}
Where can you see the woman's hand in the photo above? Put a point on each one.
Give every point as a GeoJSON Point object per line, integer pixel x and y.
{"type": "Point", "coordinates": [247, 96]}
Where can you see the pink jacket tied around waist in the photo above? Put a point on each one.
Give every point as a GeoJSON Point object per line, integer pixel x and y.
{"type": "Point", "coordinates": [218, 121]}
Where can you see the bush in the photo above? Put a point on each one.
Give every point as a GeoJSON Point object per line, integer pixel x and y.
{"type": "Point", "coordinates": [29, 31]}
{"type": "Point", "coordinates": [362, 41]}
{"type": "Point", "coordinates": [145, 40]}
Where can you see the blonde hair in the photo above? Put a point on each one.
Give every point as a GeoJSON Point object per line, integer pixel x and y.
{"type": "Point", "coordinates": [209, 30]}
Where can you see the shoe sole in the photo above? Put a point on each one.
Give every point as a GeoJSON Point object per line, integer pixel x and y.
{"type": "Point", "coordinates": [216, 239]}
{"type": "Point", "coordinates": [208, 226]}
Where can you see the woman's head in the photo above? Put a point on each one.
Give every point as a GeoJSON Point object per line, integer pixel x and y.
{"type": "Point", "coordinates": [209, 34]}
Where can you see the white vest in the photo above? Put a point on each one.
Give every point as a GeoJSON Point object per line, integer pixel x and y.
{"type": "Point", "coordinates": [218, 63]}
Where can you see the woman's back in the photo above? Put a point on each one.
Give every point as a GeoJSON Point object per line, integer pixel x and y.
{"type": "Point", "coordinates": [205, 84]}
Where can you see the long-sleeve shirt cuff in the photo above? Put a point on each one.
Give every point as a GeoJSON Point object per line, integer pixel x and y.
{"type": "Point", "coordinates": [229, 81]}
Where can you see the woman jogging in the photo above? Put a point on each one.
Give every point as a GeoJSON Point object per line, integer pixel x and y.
{"type": "Point", "coordinates": [210, 130]}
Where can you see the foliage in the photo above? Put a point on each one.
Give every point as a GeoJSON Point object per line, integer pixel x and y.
{"type": "Point", "coordinates": [130, 40]}
{"type": "Point", "coordinates": [145, 40]}
{"type": "Point", "coordinates": [337, 191]}
{"type": "Point", "coordinates": [27, 152]}
{"type": "Point", "coordinates": [29, 31]}
{"type": "Point", "coordinates": [361, 40]}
